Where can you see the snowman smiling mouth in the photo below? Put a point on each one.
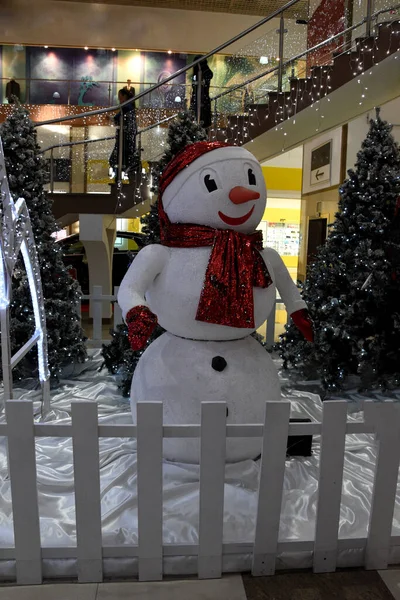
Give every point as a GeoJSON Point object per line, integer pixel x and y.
{"type": "Point", "coordinates": [238, 221]}
{"type": "Point", "coordinates": [239, 195]}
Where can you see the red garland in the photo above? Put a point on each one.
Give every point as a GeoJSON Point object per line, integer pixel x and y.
{"type": "Point", "coordinates": [234, 268]}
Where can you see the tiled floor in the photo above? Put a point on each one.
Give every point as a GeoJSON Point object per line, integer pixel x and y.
{"type": "Point", "coordinates": [229, 588]}
{"type": "Point", "coordinates": [392, 580]}
{"type": "Point", "coordinates": [346, 585]}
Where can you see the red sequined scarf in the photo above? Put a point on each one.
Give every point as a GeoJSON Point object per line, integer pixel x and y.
{"type": "Point", "coordinates": [234, 268]}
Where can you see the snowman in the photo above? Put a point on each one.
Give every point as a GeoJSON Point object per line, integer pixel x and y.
{"type": "Point", "coordinates": [210, 284]}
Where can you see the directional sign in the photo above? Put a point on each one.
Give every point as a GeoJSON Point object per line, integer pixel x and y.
{"type": "Point", "coordinates": [321, 164]}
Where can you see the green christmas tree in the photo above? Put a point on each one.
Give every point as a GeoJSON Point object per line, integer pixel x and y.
{"type": "Point", "coordinates": [118, 356]}
{"type": "Point", "coordinates": [27, 175]}
{"type": "Point", "coordinates": [352, 288]}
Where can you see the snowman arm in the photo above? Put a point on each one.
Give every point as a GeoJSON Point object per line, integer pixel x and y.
{"type": "Point", "coordinates": [286, 287]}
{"type": "Point", "coordinates": [149, 263]}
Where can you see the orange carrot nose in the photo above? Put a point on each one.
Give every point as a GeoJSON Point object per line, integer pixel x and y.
{"type": "Point", "coordinates": [240, 195]}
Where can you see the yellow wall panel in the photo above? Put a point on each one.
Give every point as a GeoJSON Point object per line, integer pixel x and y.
{"type": "Point", "coordinates": [279, 178]}
{"type": "Point", "coordinates": [291, 261]}
{"type": "Point", "coordinates": [134, 225]}
{"type": "Point", "coordinates": [274, 215]}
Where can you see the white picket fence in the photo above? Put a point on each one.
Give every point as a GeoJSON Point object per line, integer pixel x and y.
{"type": "Point", "coordinates": [381, 419]}
{"type": "Point", "coordinates": [97, 300]}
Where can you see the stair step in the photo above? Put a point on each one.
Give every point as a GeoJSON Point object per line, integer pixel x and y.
{"type": "Point", "coordinates": [346, 64]}
{"type": "Point", "coordinates": [393, 25]}
{"type": "Point", "coordinates": [321, 79]}
{"type": "Point", "coordinates": [365, 44]}
{"type": "Point", "coordinates": [388, 40]}
{"type": "Point", "coordinates": [320, 69]}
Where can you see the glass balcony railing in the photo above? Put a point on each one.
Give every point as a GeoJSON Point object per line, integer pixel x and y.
{"type": "Point", "coordinates": [249, 71]}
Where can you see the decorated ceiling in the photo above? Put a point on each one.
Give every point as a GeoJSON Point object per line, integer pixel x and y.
{"type": "Point", "coordinates": [242, 7]}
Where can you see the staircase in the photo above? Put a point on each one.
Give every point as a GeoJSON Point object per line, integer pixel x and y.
{"type": "Point", "coordinates": [323, 80]}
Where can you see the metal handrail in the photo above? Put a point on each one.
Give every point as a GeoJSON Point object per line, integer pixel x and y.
{"type": "Point", "coordinates": [50, 80]}
{"type": "Point", "coordinates": [91, 141]}
{"type": "Point", "coordinates": [28, 80]}
{"type": "Point", "coordinates": [280, 68]}
{"type": "Point", "coordinates": [157, 124]}
{"type": "Point", "coordinates": [219, 48]}
{"type": "Point", "coordinates": [103, 139]}
{"type": "Point", "coordinates": [306, 52]}
{"type": "Point", "coordinates": [68, 144]}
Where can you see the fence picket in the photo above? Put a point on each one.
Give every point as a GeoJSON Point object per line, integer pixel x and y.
{"type": "Point", "coordinates": [149, 489]}
{"type": "Point", "coordinates": [333, 438]}
{"type": "Point", "coordinates": [212, 483]}
{"type": "Point", "coordinates": [272, 473]}
{"type": "Point", "coordinates": [22, 470]}
{"type": "Point", "coordinates": [85, 442]}
{"type": "Point", "coordinates": [97, 312]}
{"type": "Point", "coordinates": [383, 418]}
{"type": "Point", "coordinates": [386, 417]}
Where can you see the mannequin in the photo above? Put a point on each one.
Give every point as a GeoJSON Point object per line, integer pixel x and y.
{"type": "Point", "coordinates": [13, 90]}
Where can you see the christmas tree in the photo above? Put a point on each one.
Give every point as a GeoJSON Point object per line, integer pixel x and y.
{"type": "Point", "coordinates": [27, 175]}
{"type": "Point", "coordinates": [118, 356]}
{"type": "Point", "coordinates": [352, 288]}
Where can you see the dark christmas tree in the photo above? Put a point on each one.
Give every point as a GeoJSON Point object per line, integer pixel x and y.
{"type": "Point", "coordinates": [151, 226]}
{"type": "Point", "coordinates": [27, 175]}
{"type": "Point", "coordinates": [118, 356]}
{"type": "Point", "coordinates": [353, 286]}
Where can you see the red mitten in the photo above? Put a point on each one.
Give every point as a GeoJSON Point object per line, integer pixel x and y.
{"type": "Point", "coordinates": [303, 323]}
{"type": "Point", "coordinates": [141, 324]}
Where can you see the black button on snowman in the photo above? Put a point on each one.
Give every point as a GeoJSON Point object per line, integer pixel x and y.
{"type": "Point", "coordinates": [218, 363]}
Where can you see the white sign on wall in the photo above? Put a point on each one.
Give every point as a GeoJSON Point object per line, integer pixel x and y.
{"type": "Point", "coordinates": [321, 159]}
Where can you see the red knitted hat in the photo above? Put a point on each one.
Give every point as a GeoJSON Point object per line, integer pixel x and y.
{"type": "Point", "coordinates": [184, 158]}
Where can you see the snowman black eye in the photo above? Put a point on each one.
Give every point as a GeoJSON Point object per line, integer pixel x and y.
{"type": "Point", "coordinates": [252, 177]}
{"type": "Point", "coordinates": [210, 183]}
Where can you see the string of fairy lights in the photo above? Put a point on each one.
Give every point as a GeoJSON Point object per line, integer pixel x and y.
{"type": "Point", "coordinates": [307, 89]}
{"type": "Point", "coordinates": [236, 116]}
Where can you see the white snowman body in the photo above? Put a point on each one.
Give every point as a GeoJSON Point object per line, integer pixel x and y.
{"type": "Point", "coordinates": [223, 189]}
{"type": "Point", "coordinates": [179, 373]}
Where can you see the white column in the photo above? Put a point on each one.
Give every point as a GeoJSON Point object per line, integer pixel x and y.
{"type": "Point", "coordinates": [97, 233]}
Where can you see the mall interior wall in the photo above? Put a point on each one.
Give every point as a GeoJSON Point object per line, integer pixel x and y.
{"type": "Point", "coordinates": [79, 24]}
{"type": "Point", "coordinates": [321, 201]}
{"type": "Point", "coordinates": [358, 129]}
